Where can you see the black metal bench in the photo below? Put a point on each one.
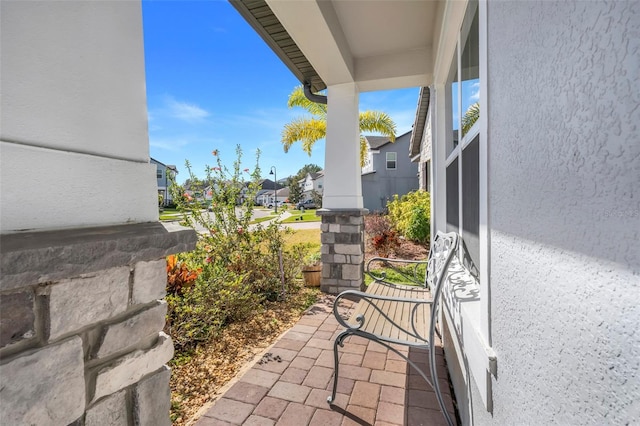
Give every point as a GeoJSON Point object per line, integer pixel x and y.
{"type": "Point", "coordinates": [389, 313]}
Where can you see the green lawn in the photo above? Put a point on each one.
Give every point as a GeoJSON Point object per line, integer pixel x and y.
{"type": "Point", "coordinates": [395, 276]}
{"type": "Point", "coordinates": [170, 214]}
{"type": "Point", "coordinates": [307, 216]}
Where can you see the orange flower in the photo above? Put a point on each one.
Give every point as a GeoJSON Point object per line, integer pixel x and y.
{"type": "Point", "coordinates": [215, 152]}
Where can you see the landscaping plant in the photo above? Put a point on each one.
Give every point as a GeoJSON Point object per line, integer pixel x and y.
{"type": "Point", "coordinates": [383, 238]}
{"type": "Point", "coordinates": [237, 268]}
{"type": "Point", "coordinates": [410, 215]}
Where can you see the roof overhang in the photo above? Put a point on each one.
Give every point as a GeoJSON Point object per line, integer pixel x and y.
{"type": "Point", "coordinates": [378, 45]}
{"type": "Point", "coordinates": [419, 122]}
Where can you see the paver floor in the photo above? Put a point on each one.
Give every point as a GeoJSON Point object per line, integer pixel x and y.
{"type": "Point", "coordinates": [290, 384]}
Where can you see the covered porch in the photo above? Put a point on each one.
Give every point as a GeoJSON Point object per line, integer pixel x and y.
{"type": "Point", "coordinates": [345, 48]}
{"type": "Point", "coordinates": [289, 383]}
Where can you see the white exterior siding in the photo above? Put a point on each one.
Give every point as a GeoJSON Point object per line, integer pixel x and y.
{"type": "Point", "coordinates": [424, 167]}
{"type": "Point", "coordinates": [564, 211]}
{"type": "Point", "coordinates": [74, 128]}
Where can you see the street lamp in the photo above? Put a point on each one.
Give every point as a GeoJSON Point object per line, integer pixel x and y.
{"type": "Point", "coordinates": [275, 187]}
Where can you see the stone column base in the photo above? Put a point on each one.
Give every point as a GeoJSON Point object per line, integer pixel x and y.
{"type": "Point", "coordinates": [342, 249]}
{"type": "Point", "coordinates": [82, 314]}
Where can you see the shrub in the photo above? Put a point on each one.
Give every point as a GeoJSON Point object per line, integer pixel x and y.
{"type": "Point", "coordinates": [179, 276]}
{"type": "Point", "coordinates": [383, 238]}
{"type": "Point", "coordinates": [411, 216]}
{"type": "Point", "coordinates": [237, 267]}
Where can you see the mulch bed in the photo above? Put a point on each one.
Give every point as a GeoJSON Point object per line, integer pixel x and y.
{"type": "Point", "coordinates": [198, 379]}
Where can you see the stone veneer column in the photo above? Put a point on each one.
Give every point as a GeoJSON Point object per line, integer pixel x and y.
{"type": "Point", "coordinates": [342, 249]}
{"type": "Point", "coordinates": [81, 319]}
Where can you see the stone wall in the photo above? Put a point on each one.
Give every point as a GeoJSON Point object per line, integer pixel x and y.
{"type": "Point", "coordinates": [81, 319]}
{"type": "Point", "coordinates": [342, 250]}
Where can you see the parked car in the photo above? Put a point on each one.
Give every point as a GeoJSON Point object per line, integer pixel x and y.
{"type": "Point", "coordinates": [309, 204]}
{"type": "Point", "coordinates": [279, 203]}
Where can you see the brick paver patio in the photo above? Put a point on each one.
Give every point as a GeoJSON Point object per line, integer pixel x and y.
{"type": "Point", "coordinates": [290, 384]}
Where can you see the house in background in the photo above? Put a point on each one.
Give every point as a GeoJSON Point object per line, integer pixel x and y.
{"type": "Point", "coordinates": [543, 188]}
{"type": "Point", "coordinates": [263, 196]}
{"type": "Point", "coordinates": [312, 182]}
{"type": "Point", "coordinates": [387, 171]}
{"type": "Point", "coordinates": [266, 190]}
{"type": "Point", "coordinates": [164, 174]}
{"type": "Point", "coordinates": [282, 195]}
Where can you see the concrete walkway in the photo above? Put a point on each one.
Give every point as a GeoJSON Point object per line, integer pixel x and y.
{"type": "Point", "coordinates": [289, 384]}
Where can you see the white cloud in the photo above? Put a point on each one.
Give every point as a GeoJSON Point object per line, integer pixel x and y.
{"type": "Point", "coordinates": [168, 144]}
{"type": "Point", "coordinates": [185, 111]}
{"type": "Point", "coordinates": [475, 92]}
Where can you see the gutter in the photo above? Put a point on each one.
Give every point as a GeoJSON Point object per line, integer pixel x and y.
{"type": "Point", "coordinates": [313, 97]}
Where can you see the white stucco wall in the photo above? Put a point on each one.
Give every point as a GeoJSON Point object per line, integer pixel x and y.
{"type": "Point", "coordinates": [73, 127]}
{"type": "Point", "coordinates": [564, 205]}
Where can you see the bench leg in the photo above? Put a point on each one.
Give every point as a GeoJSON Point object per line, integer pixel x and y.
{"type": "Point", "coordinates": [339, 342]}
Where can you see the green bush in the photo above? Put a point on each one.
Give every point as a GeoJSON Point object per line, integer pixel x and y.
{"type": "Point", "coordinates": [238, 268]}
{"type": "Point", "coordinates": [410, 215]}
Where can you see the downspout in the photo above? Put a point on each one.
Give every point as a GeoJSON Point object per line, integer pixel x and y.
{"type": "Point", "coordinates": [319, 99]}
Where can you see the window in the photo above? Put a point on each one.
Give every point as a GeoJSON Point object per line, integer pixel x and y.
{"type": "Point", "coordinates": [159, 173]}
{"type": "Point", "coordinates": [391, 160]}
{"type": "Point", "coordinates": [462, 144]}
{"type": "Point", "coordinates": [460, 195]}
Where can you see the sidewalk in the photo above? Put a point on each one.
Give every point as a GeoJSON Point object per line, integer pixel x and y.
{"type": "Point", "coordinates": [289, 384]}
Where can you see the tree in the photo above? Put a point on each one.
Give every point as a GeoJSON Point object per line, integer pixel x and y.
{"type": "Point", "coordinates": [317, 198]}
{"type": "Point", "coordinates": [309, 130]}
{"type": "Point", "coordinates": [470, 117]}
{"type": "Point", "coordinates": [295, 190]}
{"type": "Point", "coordinates": [308, 168]}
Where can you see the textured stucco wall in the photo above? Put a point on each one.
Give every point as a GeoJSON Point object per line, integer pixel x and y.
{"type": "Point", "coordinates": [564, 174]}
{"type": "Point", "coordinates": [73, 127]}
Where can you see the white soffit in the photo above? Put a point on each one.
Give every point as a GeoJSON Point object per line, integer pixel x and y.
{"type": "Point", "coordinates": [378, 44]}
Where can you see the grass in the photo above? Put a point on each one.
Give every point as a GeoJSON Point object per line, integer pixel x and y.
{"type": "Point", "coordinates": [307, 216]}
{"type": "Point", "coordinates": [170, 214]}
{"type": "Point", "coordinates": [394, 276]}
{"type": "Point", "coordinates": [310, 237]}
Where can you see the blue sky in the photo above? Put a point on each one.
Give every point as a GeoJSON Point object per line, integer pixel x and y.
{"type": "Point", "coordinates": [213, 83]}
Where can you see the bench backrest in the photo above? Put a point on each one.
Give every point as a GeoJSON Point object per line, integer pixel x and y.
{"type": "Point", "coordinates": [442, 252]}
{"type": "Point", "coordinates": [440, 255]}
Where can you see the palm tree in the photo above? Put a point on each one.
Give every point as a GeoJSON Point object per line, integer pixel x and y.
{"type": "Point", "coordinates": [470, 117]}
{"type": "Point", "coordinates": [309, 130]}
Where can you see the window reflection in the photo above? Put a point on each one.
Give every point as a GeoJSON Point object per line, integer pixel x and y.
{"type": "Point", "coordinates": [453, 117]}
{"type": "Point", "coordinates": [470, 70]}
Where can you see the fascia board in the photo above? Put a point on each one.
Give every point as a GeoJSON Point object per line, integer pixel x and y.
{"type": "Point", "coordinates": [316, 31]}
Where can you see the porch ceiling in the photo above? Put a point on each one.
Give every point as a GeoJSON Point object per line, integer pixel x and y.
{"type": "Point", "coordinates": [378, 44]}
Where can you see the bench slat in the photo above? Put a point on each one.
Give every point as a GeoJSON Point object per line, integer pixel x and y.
{"type": "Point", "coordinates": [398, 326]}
